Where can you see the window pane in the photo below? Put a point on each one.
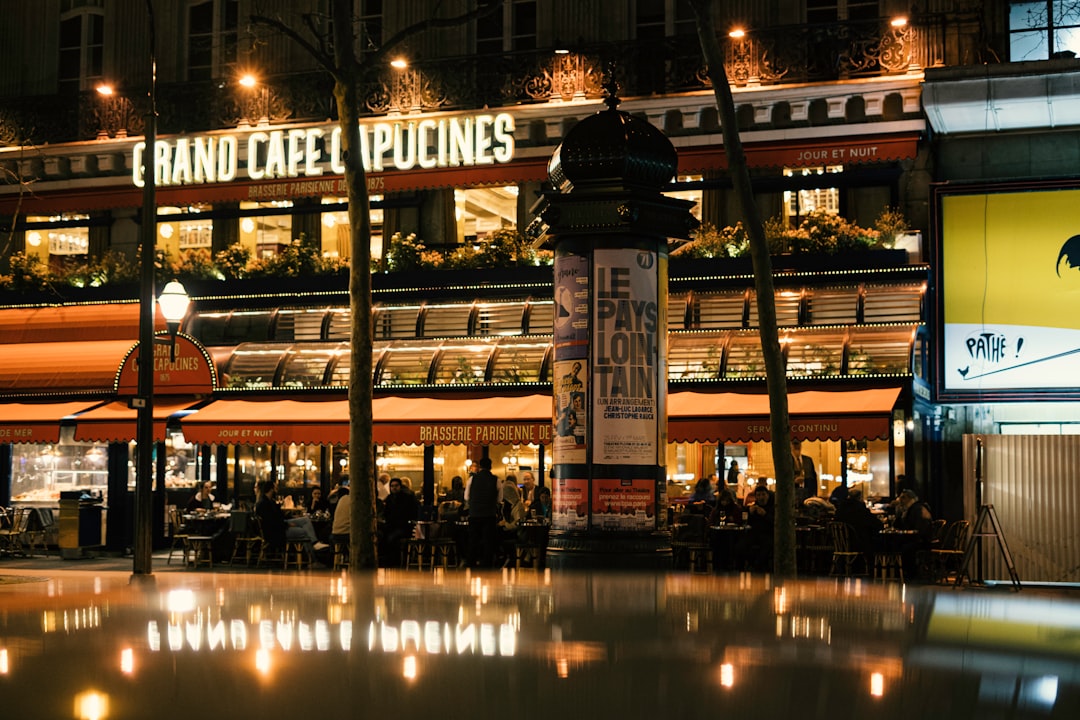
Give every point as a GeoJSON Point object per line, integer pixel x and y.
{"type": "Point", "coordinates": [1028, 46]}
{"type": "Point", "coordinates": [71, 32]}
{"type": "Point", "coordinates": [1067, 41]}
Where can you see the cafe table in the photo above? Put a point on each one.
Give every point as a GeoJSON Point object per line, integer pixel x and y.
{"type": "Point", "coordinates": [889, 558]}
{"type": "Point", "coordinates": [725, 541]}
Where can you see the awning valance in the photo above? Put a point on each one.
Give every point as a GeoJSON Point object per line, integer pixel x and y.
{"type": "Point", "coordinates": [63, 323]}
{"type": "Point", "coordinates": [116, 422]}
{"type": "Point", "coordinates": [61, 366]}
{"type": "Point", "coordinates": [814, 415]}
{"type": "Point", "coordinates": [37, 422]}
{"type": "Point", "coordinates": [807, 152]}
{"type": "Point", "coordinates": [396, 421]}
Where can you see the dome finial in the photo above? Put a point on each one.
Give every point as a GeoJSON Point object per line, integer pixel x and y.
{"type": "Point", "coordinates": [611, 87]}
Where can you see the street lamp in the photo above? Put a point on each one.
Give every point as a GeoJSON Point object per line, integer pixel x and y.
{"type": "Point", "coordinates": [174, 302]}
{"type": "Point", "coordinates": [143, 551]}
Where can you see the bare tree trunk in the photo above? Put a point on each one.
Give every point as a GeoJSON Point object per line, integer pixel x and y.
{"type": "Point", "coordinates": [363, 534]}
{"type": "Point", "coordinates": [775, 372]}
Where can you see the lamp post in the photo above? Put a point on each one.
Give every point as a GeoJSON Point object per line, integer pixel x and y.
{"type": "Point", "coordinates": [174, 302]}
{"type": "Point", "coordinates": [144, 401]}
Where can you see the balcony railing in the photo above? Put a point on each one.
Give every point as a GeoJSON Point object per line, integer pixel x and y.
{"type": "Point", "coordinates": [769, 56]}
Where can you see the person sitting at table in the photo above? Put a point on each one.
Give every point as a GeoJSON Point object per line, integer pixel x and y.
{"type": "Point", "coordinates": [277, 529]}
{"type": "Point", "coordinates": [528, 487]}
{"type": "Point", "coordinates": [457, 490]}
{"type": "Point", "coordinates": [202, 499]}
{"type": "Point", "coordinates": [864, 525]}
{"type": "Point", "coordinates": [339, 530]}
{"type": "Point", "coordinates": [726, 510]}
{"type": "Point", "coordinates": [913, 514]}
{"type": "Point", "coordinates": [511, 513]}
{"type": "Point", "coordinates": [540, 509]}
{"type": "Point", "coordinates": [401, 510]}
{"type": "Point", "coordinates": [318, 504]}
{"type": "Point", "coordinates": [756, 549]}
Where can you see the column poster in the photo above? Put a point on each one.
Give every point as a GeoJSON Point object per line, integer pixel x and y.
{"type": "Point", "coordinates": [625, 412]}
{"type": "Point", "coordinates": [570, 504]}
{"type": "Point", "coordinates": [624, 504]}
{"type": "Point", "coordinates": [571, 340]}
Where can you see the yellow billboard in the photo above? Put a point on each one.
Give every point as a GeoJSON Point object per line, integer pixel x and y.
{"type": "Point", "coordinates": [1010, 269]}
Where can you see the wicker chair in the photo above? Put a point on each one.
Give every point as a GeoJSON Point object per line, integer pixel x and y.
{"type": "Point", "coordinates": [846, 559]}
{"type": "Point", "coordinates": [178, 532]}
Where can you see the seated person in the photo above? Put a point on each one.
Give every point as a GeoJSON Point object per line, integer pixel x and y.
{"type": "Point", "coordinates": [510, 514]}
{"type": "Point", "coordinates": [202, 499]}
{"type": "Point", "coordinates": [400, 512]}
{"type": "Point", "coordinates": [339, 530]}
{"type": "Point", "coordinates": [865, 527]}
{"type": "Point", "coordinates": [277, 529]}
{"type": "Point", "coordinates": [756, 548]}
{"type": "Point", "coordinates": [726, 510]}
{"type": "Point", "coordinates": [317, 503]}
{"type": "Point", "coordinates": [913, 514]}
{"type": "Point", "coordinates": [703, 492]}
{"type": "Point", "coordinates": [540, 509]}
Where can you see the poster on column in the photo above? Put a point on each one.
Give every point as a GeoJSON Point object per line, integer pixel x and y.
{"type": "Point", "coordinates": [571, 418]}
{"type": "Point", "coordinates": [570, 504]}
{"type": "Point", "coordinates": [626, 357]}
{"type": "Point", "coordinates": [624, 504]}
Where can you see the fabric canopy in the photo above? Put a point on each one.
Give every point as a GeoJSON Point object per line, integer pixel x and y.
{"type": "Point", "coordinates": [61, 366]}
{"type": "Point", "coordinates": [814, 415]}
{"type": "Point", "coordinates": [396, 421]}
{"type": "Point", "coordinates": [97, 322]}
{"type": "Point", "coordinates": [116, 422]}
{"type": "Point", "coordinates": [36, 422]}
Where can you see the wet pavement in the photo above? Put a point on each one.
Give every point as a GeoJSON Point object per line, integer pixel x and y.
{"type": "Point", "coordinates": [80, 639]}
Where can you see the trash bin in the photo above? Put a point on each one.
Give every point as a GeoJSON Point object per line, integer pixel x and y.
{"type": "Point", "coordinates": [79, 524]}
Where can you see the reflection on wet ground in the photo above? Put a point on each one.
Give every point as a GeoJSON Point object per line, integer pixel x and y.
{"type": "Point", "coordinates": [527, 645]}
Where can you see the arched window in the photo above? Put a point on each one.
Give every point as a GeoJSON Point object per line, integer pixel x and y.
{"type": "Point", "coordinates": [82, 43]}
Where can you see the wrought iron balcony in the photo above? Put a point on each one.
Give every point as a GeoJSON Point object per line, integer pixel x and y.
{"type": "Point", "coordinates": [769, 56]}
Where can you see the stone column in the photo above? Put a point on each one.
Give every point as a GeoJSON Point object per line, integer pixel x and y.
{"type": "Point", "coordinates": [609, 226]}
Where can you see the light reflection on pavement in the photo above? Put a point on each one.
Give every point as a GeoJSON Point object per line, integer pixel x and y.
{"type": "Point", "coordinates": [527, 645]}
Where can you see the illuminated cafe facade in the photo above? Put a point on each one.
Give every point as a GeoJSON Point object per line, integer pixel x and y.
{"type": "Point", "coordinates": [462, 359]}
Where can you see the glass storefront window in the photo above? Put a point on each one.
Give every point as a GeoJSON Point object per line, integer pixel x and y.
{"type": "Point", "coordinates": [481, 211]}
{"type": "Point", "coordinates": [57, 239]}
{"type": "Point", "coordinates": [266, 235]}
{"type": "Point", "coordinates": [40, 472]}
{"type": "Point", "coordinates": [797, 203]}
{"type": "Point", "coordinates": [185, 228]}
{"type": "Point", "coordinates": [335, 234]}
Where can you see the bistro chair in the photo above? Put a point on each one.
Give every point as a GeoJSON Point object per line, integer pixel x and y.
{"type": "Point", "coordinates": [13, 537]}
{"type": "Point", "coordinates": [40, 530]}
{"type": "Point", "coordinates": [341, 555]}
{"type": "Point", "coordinates": [946, 559]}
{"type": "Point", "coordinates": [441, 545]}
{"type": "Point", "coordinates": [689, 543]}
{"type": "Point", "coordinates": [179, 533]}
{"type": "Point", "coordinates": [844, 555]}
{"type": "Point", "coordinates": [198, 550]}
{"type": "Point", "coordinates": [268, 553]}
{"type": "Point", "coordinates": [531, 548]}
{"type": "Point", "coordinates": [295, 555]}
{"type": "Point", "coordinates": [247, 537]}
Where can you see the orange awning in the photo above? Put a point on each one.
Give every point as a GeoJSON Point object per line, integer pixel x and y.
{"type": "Point", "coordinates": [397, 421]}
{"type": "Point", "coordinates": [808, 152]}
{"type": "Point", "coordinates": [36, 422]}
{"type": "Point", "coordinates": [116, 422]}
{"type": "Point", "coordinates": [97, 322]}
{"type": "Point", "coordinates": [61, 366]}
{"type": "Point", "coordinates": [814, 415]}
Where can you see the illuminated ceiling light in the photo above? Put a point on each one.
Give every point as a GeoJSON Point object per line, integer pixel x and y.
{"type": "Point", "coordinates": [248, 80]}
{"type": "Point", "coordinates": [91, 705]}
{"type": "Point", "coordinates": [399, 63]}
{"type": "Point", "coordinates": [737, 33]}
{"type": "Point", "coordinates": [166, 230]}
{"type": "Point", "coordinates": [33, 239]}
{"type": "Point", "coordinates": [247, 225]}
{"type": "Point", "coordinates": [898, 22]}
{"type": "Point", "coordinates": [105, 89]}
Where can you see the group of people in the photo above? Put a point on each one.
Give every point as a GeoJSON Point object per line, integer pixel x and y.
{"type": "Point", "coordinates": [496, 511]}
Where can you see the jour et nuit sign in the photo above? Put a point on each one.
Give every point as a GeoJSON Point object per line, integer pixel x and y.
{"type": "Point", "coordinates": [264, 154]}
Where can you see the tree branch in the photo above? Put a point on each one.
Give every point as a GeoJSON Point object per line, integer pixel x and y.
{"type": "Point", "coordinates": [317, 53]}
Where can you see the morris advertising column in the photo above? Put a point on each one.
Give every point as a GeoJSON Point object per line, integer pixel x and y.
{"type": "Point", "coordinates": [609, 226]}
